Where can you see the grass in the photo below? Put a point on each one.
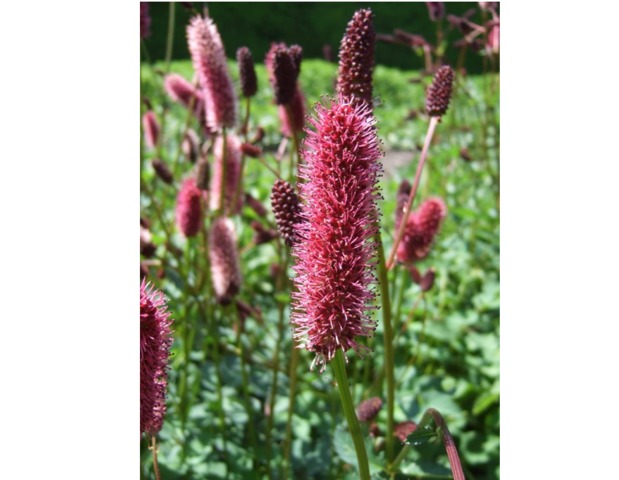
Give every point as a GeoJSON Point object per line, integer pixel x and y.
{"type": "Point", "coordinates": [447, 340]}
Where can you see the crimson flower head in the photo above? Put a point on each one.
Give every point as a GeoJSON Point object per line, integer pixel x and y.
{"type": "Point", "coordinates": [189, 211]}
{"type": "Point", "coordinates": [155, 342]}
{"type": "Point", "coordinates": [247, 72]}
{"type": "Point", "coordinates": [144, 20]}
{"type": "Point", "coordinates": [224, 258]}
{"type": "Point", "coordinates": [354, 75]}
{"type": "Point", "coordinates": [232, 159]}
{"type": "Point", "coordinates": [335, 251]}
{"type": "Point", "coordinates": [180, 90]}
{"type": "Point", "coordinates": [439, 92]}
{"type": "Point", "coordinates": [368, 409]}
{"type": "Point", "coordinates": [151, 129]}
{"type": "Point", "coordinates": [283, 65]}
{"type": "Point", "coordinates": [436, 10]}
{"type": "Point", "coordinates": [421, 228]}
{"type": "Point", "coordinates": [209, 61]}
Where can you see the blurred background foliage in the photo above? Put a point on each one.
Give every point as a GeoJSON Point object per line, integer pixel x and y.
{"type": "Point", "coordinates": [257, 24]}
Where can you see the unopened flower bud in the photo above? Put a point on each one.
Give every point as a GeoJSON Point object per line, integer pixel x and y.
{"type": "Point", "coordinates": [162, 171]}
{"type": "Point", "coordinates": [250, 150]}
{"type": "Point", "coordinates": [224, 258]}
{"type": "Point", "coordinates": [247, 72]}
{"type": "Point", "coordinates": [368, 409]}
{"type": "Point", "coordinates": [403, 429]}
{"type": "Point", "coordinates": [203, 174]}
{"type": "Point", "coordinates": [285, 205]}
{"type": "Point", "coordinates": [439, 93]}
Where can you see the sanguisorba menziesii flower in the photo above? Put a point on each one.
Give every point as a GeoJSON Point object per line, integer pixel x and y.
{"type": "Point", "coordinates": [354, 75]}
{"type": "Point", "coordinates": [151, 129]}
{"type": "Point", "coordinates": [224, 258]}
{"type": "Point", "coordinates": [439, 92]}
{"type": "Point", "coordinates": [232, 158]}
{"type": "Point", "coordinates": [421, 228]}
{"type": "Point", "coordinates": [334, 257]}
{"type": "Point", "coordinates": [189, 211]}
{"type": "Point", "coordinates": [155, 342]}
{"type": "Point", "coordinates": [209, 61]}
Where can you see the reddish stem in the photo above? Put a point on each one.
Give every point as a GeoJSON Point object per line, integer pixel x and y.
{"type": "Point", "coordinates": [407, 209]}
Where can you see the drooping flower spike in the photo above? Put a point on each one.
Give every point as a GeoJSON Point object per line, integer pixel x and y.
{"type": "Point", "coordinates": [180, 90]}
{"type": "Point", "coordinates": [421, 228]}
{"type": "Point", "coordinates": [155, 342]}
{"type": "Point", "coordinates": [335, 254]}
{"type": "Point", "coordinates": [209, 61]}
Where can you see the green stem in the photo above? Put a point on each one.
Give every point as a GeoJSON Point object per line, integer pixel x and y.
{"type": "Point", "coordinates": [239, 185]}
{"type": "Point", "coordinates": [296, 353]}
{"type": "Point", "coordinates": [245, 384]}
{"type": "Point", "coordinates": [170, 39]}
{"type": "Point", "coordinates": [292, 175]}
{"type": "Point", "coordinates": [155, 463]}
{"type": "Point", "coordinates": [222, 193]}
{"type": "Point", "coordinates": [339, 369]}
{"type": "Point", "coordinates": [280, 287]}
{"type": "Point", "coordinates": [388, 342]}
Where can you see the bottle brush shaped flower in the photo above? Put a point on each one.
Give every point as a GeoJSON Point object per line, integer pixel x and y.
{"type": "Point", "coordinates": [232, 158]}
{"type": "Point", "coordinates": [247, 72]}
{"type": "Point", "coordinates": [224, 258]}
{"type": "Point", "coordinates": [439, 92]}
{"type": "Point", "coordinates": [354, 77]}
{"type": "Point", "coordinates": [285, 205]}
{"type": "Point", "coordinates": [335, 253]}
{"type": "Point", "coordinates": [155, 342]}
{"type": "Point", "coordinates": [209, 61]}
{"type": "Point", "coordinates": [421, 228]}
{"type": "Point", "coordinates": [189, 211]}
{"type": "Point", "coordinates": [151, 129]}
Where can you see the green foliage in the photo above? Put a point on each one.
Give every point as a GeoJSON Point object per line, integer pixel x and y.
{"type": "Point", "coordinates": [446, 341]}
{"type": "Point", "coordinates": [257, 24]}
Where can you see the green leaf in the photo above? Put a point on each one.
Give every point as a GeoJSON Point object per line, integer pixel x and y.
{"type": "Point", "coordinates": [420, 436]}
{"type": "Point", "coordinates": [345, 449]}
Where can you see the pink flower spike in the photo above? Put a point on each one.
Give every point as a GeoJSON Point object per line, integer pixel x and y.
{"type": "Point", "coordinates": [436, 10]}
{"type": "Point", "coordinates": [151, 129]}
{"type": "Point", "coordinates": [189, 211]}
{"type": "Point", "coordinates": [421, 228]}
{"type": "Point", "coordinates": [144, 20]}
{"type": "Point", "coordinates": [354, 75]}
{"type": "Point", "coordinates": [233, 169]}
{"type": "Point", "coordinates": [334, 257]}
{"type": "Point", "coordinates": [209, 61]}
{"type": "Point", "coordinates": [180, 90]}
{"type": "Point", "coordinates": [155, 342]}
{"type": "Point", "coordinates": [224, 258]}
